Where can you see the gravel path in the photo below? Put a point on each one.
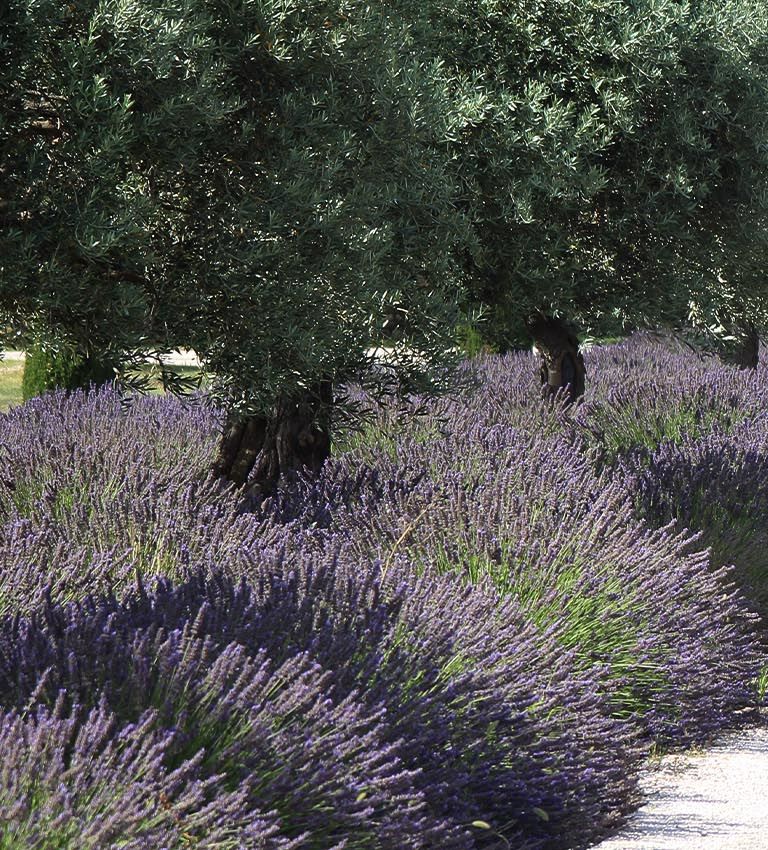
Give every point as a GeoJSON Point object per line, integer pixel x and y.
{"type": "Point", "coordinates": [713, 800]}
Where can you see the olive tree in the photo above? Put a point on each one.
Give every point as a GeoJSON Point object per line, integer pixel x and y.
{"type": "Point", "coordinates": [265, 181]}
{"type": "Point", "coordinates": [615, 159]}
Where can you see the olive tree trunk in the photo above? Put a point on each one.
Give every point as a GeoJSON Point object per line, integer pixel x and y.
{"type": "Point", "coordinates": [258, 450]}
{"type": "Point", "coordinates": [744, 352]}
{"type": "Point", "coordinates": [562, 365]}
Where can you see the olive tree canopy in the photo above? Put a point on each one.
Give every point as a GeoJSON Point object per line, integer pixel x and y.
{"type": "Point", "coordinates": [267, 182]}
{"type": "Point", "coordinates": [617, 171]}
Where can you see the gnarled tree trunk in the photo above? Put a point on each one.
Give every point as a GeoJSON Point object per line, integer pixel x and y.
{"type": "Point", "coordinates": [258, 450]}
{"type": "Point", "coordinates": [744, 352]}
{"type": "Point", "coordinates": [562, 365]}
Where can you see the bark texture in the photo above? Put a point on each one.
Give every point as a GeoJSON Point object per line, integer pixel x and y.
{"type": "Point", "coordinates": [745, 352]}
{"type": "Point", "coordinates": [562, 365]}
{"type": "Point", "coordinates": [258, 450]}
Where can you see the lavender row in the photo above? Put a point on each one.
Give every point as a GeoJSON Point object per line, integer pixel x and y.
{"type": "Point", "coordinates": [465, 634]}
{"type": "Point", "coordinates": [533, 516]}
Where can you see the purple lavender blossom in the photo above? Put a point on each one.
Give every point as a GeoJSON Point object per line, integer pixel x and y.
{"type": "Point", "coordinates": [461, 635]}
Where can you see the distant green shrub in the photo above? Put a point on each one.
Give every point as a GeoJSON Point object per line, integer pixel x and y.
{"type": "Point", "coordinates": [46, 370]}
{"type": "Point", "coordinates": [471, 341]}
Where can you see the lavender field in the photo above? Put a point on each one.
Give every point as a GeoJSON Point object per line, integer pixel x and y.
{"type": "Point", "coordinates": [469, 633]}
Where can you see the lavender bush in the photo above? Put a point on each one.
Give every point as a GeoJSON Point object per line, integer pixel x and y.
{"type": "Point", "coordinates": [356, 724]}
{"type": "Point", "coordinates": [690, 448]}
{"type": "Point", "coordinates": [464, 634]}
{"type": "Point", "coordinates": [79, 779]}
{"type": "Point", "coordinates": [532, 514]}
{"type": "Point", "coordinates": [644, 392]}
{"type": "Point", "coordinates": [716, 484]}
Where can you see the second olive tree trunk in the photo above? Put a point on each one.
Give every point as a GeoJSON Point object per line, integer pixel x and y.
{"type": "Point", "coordinates": [744, 350]}
{"type": "Point", "coordinates": [562, 365]}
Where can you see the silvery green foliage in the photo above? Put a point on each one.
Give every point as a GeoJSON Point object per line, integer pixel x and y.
{"type": "Point", "coordinates": [284, 185]}
{"type": "Point", "coordinates": [611, 158]}
{"type": "Point", "coordinates": [265, 182]}
{"type": "Point", "coordinates": [461, 623]}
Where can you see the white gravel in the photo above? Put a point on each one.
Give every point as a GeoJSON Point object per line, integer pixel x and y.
{"type": "Point", "coordinates": [712, 800]}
